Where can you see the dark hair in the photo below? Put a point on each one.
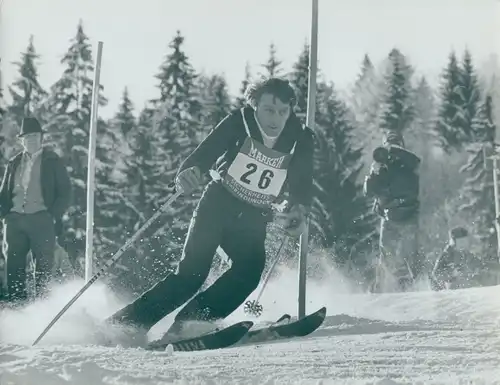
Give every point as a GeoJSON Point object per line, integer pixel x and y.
{"type": "Point", "coordinates": [280, 88]}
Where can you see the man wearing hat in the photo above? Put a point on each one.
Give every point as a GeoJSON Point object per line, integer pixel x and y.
{"type": "Point", "coordinates": [34, 195]}
{"type": "Point", "coordinates": [394, 183]}
{"type": "Point", "coordinates": [457, 267]}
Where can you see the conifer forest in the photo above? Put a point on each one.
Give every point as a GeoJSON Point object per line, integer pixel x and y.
{"type": "Point", "coordinates": [450, 126]}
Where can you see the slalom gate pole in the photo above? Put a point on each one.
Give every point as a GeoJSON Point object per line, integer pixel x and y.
{"type": "Point", "coordinates": [110, 262]}
{"type": "Point", "coordinates": [89, 236]}
{"type": "Point", "coordinates": [310, 119]}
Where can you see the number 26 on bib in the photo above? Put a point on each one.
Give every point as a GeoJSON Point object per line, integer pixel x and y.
{"type": "Point", "coordinates": [257, 173]}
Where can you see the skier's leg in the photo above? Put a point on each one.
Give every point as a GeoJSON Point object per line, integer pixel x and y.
{"type": "Point", "coordinates": [203, 238]}
{"type": "Point", "coordinates": [245, 246]}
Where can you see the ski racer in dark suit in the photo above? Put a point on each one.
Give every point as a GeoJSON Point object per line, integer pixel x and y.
{"type": "Point", "coordinates": [261, 152]}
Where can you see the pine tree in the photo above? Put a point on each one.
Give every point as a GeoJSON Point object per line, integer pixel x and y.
{"type": "Point", "coordinates": [470, 95]}
{"type": "Point", "coordinates": [478, 192]}
{"type": "Point", "coordinates": [397, 110]}
{"type": "Point", "coordinates": [365, 95]}
{"type": "Point", "coordinates": [112, 212]}
{"type": "Point", "coordinates": [433, 192]}
{"type": "Point", "coordinates": [68, 127]}
{"type": "Point", "coordinates": [178, 111]}
{"type": "Point", "coordinates": [26, 91]}
{"type": "Point", "coordinates": [141, 198]}
{"type": "Point", "coordinates": [125, 117]}
{"type": "Point", "coordinates": [216, 103]}
{"type": "Point", "coordinates": [178, 107]}
{"type": "Point", "coordinates": [299, 77]}
{"type": "Point", "coordinates": [9, 129]}
{"type": "Point", "coordinates": [240, 100]}
{"type": "Point", "coordinates": [364, 102]}
{"type": "Point", "coordinates": [449, 122]}
{"type": "Point", "coordinates": [345, 221]}
{"type": "Point", "coordinates": [273, 64]}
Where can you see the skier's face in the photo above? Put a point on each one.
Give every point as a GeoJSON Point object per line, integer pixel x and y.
{"type": "Point", "coordinates": [32, 142]}
{"type": "Point", "coordinates": [272, 114]}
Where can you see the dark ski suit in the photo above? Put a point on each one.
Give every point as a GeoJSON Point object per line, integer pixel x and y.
{"type": "Point", "coordinates": [222, 219]}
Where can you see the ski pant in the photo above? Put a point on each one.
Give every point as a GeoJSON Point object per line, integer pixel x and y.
{"type": "Point", "coordinates": [219, 220]}
{"type": "Point", "coordinates": [400, 262]}
{"type": "Point", "coordinates": [22, 233]}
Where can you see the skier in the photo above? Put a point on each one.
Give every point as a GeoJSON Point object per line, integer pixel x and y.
{"type": "Point", "coordinates": [394, 182]}
{"type": "Point", "coordinates": [261, 152]}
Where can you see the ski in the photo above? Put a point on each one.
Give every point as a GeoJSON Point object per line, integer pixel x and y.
{"type": "Point", "coordinates": [292, 329]}
{"type": "Point", "coordinates": [239, 334]}
{"type": "Point", "coordinates": [218, 339]}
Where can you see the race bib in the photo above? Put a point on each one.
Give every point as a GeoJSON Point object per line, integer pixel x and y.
{"type": "Point", "coordinates": [257, 174]}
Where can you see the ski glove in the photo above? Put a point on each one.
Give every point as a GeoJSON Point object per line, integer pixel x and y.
{"type": "Point", "coordinates": [293, 220]}
{"type": "Point", "coordinates": [189, 180]}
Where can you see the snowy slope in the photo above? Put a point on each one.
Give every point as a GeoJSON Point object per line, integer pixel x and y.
{"type": "Point", "coordinates": [410, 338]}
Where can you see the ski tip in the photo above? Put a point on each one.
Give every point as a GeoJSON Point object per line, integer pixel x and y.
{"type": "Point", "coordinates": [319, 313]}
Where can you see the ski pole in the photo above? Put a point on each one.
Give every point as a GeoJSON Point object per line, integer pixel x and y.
{"type": "Point", "coordinates": [269, 273]}
{"type": "Point", "coordinates": [254, 307]}
{"type": "Point", "coordinates": [110, 262]}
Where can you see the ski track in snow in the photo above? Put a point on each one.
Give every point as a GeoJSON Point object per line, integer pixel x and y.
{"type": "Point", "coordinates": [390, 339]}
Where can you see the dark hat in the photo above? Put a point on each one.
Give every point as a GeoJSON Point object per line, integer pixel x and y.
{"type": "Point", "coordinates": [30, 126]}
{"type": "Point", "coordinates": [458, 232]}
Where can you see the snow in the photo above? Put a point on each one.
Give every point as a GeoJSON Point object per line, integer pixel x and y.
{"type": "Point", "coordinates": [421, 337]}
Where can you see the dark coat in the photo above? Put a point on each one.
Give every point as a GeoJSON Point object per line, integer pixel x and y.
{"type": "Point", "coordinates": [56, 186]}
{"type": "Point", "coordinates": [395, 187]}
{"type": "Point", "coordinates": [221, 146]}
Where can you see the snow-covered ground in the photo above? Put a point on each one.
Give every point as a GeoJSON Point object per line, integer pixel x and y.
{"type": "Point", "coordinates": [411, 338]}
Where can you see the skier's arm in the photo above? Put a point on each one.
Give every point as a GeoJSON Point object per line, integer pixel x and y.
{"type": "Point", "coordinates": [212, 147]}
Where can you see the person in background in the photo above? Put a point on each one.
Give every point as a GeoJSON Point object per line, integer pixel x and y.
{"type": "Point", "coordinates": [456, 267]}
{"type": "Point", "coordinates": [394, 183]}
{"type": "Point", "coordinates": [34, 194]}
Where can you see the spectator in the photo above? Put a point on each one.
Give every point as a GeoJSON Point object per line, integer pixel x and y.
{"type": "Point", "coordinates": [394, 183]}
{"type": "Point", "coordinates": [456, 267]}
{"type": "Point", "coordinates": [34, 195]}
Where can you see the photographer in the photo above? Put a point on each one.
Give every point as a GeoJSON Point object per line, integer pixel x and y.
{"type": "Point", "coordinates": [394, 183]}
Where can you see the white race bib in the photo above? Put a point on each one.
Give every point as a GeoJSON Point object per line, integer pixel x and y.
{"type": "Point", "coordinates": [257, 174]}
